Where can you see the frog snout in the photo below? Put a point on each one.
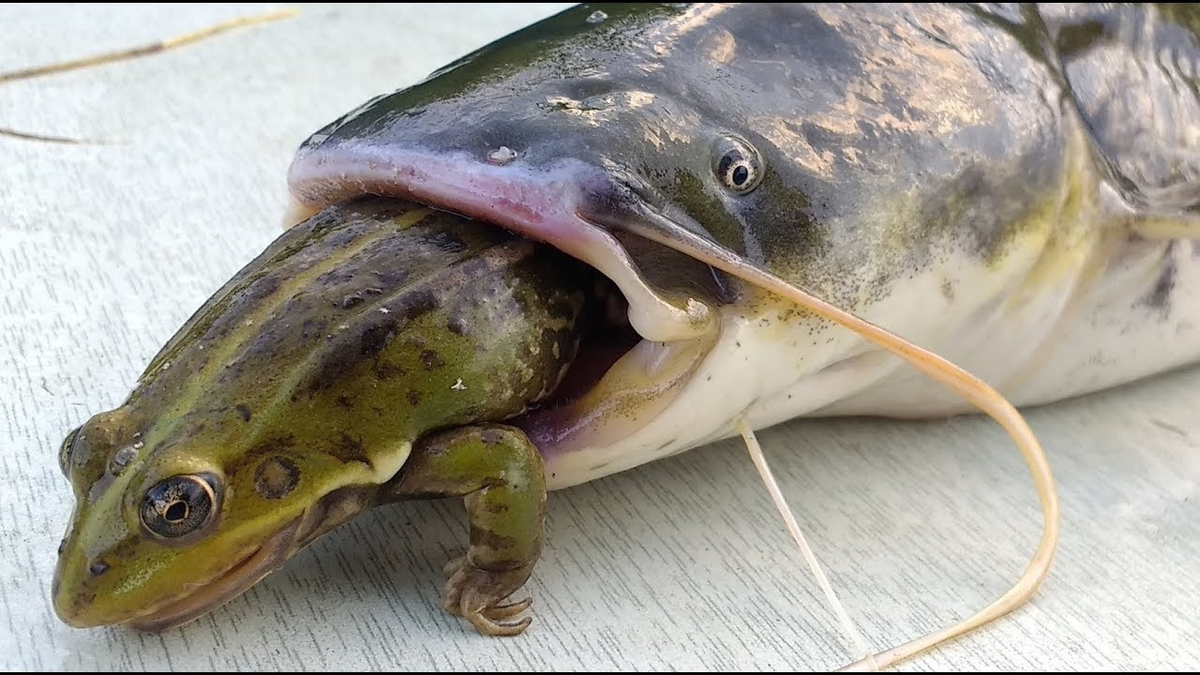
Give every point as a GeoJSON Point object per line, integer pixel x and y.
{"type": "Point", "coordinates": [72, 601]}
{"type": "Point", "coordinates": [75, 585]}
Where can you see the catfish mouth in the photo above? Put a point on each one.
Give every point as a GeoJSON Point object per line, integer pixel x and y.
{"type": "Point", "coordinates": [620, 381]}
{"type": "Point", "coordinates": [200, 598]}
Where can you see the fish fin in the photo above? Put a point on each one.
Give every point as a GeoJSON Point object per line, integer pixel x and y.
{"type": "Point", "coordinates": [1168, 212]}
{"type": "Point", "coordinates": [970, 387]}
{"type": "Point", "coordinates": [789, 519]}
{"type": "Point", "coordinates": [1168, 227]}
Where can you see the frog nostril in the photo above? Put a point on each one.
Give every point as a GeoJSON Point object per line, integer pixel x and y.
{"type": "Point", "coordinates": [99, 567]}
{"type": "Point", "coordinates": [62, 546]}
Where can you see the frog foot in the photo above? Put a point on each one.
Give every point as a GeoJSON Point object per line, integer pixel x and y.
{"type": "Point", "coordinates": [475, 595]}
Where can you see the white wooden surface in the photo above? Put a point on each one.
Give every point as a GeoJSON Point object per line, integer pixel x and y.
{"type": "Point", "coordinates": [106, 249]}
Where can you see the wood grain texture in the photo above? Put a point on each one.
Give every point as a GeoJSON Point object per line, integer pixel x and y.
{"type": "Point", "coordinates": [106, 249]}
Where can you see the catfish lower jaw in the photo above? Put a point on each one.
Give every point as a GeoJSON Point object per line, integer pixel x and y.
{"type": "Point", "coordinates": [632, 392]}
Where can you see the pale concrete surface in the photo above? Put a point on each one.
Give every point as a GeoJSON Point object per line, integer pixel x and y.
{"type": "Point", "coordinates": [106, 249]}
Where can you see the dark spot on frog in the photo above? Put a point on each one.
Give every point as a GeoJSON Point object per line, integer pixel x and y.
{"type": "Point", "coordinates": [349, 301]}
{"type": "Point", "coordinates": [414, 397]}
{"type": "Point", "coordinates": [83, 600]}
{"type": "Point", "coordinates": [311, 329]}
{"type": "Point", "coordinates": [386, 371]}
{"type": "Point", "coordinates": [491, 436]}
{"type": "Point", "coordinates": [97, 568]}
{"type": "Point", "coordinates": [457, 326]}
{"type": "Point", "coordinates": [348, 449]}
{"type": "Point", "coordinates": [432, 359]}
{"type": "Point", "coordinates": [391, 278]}
{"type": "Point", "coordinates": [335, 277]}
{"type": "Point", "coordinates": [445, 241]}
{"type": "Point", "coordinates": [562, 308]}
{"type": "Point", "coordinates": [490, 539]}
{"type": "Point", "coordinates": [344, 401]}
{"type": "Point", "coordinates": [276, 477]}
{"type": "Point", "coordinates": [419, 303]}
{"type": "Point", "coordinates": [376, 338]}
{"type": "Point", "coordinates": [244, 411]}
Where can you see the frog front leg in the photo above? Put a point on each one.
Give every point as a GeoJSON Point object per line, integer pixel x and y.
{"type": "Point", "coordinates": [498, 472]}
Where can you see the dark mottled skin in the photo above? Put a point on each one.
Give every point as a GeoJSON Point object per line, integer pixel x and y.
{"type": "Point", "coordinates": [892, 135]}
{"type": "Point", "coordinates": [287, 394]}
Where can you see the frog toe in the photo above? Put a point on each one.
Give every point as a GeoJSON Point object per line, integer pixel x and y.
{"type": "Point", "coordinates": [453, 566]}
{"type": "Point", "coordinates": [477, 596]}
{"type": "Point", "coordinates": [509, 610]}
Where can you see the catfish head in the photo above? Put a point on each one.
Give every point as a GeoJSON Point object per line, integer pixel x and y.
{"type": "Point", "coordinates": [681, 150]}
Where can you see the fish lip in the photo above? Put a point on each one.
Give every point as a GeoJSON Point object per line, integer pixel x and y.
{"type": "Point", "coordinates": [543, 203]}
{"type": "Point", "coordinates": [199, 599]}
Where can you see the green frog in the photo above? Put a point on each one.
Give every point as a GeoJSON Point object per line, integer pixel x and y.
{"type": "Point", "coordinates": [370, 354]}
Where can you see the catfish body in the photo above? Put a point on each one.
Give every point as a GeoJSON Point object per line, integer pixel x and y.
{"type": "Point", "coordinates": [1010, 186]}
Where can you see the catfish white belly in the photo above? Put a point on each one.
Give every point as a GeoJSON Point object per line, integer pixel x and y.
{"type": "Point", "coordinates": [1100, 312]}
{"type": "Point", "coordinates": [1139, 319]}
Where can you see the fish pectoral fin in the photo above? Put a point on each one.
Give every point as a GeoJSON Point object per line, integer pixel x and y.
{"type": "Point", "coordinates": [1168, 227]}
{"type": "Point", "coordinates": [1169, 212]}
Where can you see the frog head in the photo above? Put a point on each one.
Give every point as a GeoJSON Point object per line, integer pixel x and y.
{"type": "Point", "coordinates": [172, 520]}
{"type": "Point", "coordinates": [286, 403]}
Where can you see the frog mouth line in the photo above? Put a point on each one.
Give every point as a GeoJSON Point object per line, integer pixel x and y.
{"type": "Point", "coordinates": [201, 598]}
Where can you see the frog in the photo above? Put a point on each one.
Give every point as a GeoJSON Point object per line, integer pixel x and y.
{"type": "Point", "coordinates": [369, 355]}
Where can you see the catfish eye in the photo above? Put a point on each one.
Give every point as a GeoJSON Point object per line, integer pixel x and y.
{"type": "Point", "coordinates": [736, 164]}
{"type": "Point", "coordinates": [65, 451]}
{"type": "Point", "coordinates": [179, 506]}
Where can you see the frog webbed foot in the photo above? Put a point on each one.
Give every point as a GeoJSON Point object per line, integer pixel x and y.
{"type": "Point", "coordinates": [475, 594]}
{"type": "Point", "coordinates": [499, 474]}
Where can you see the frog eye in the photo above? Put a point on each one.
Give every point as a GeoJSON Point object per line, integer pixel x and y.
{"type": "Point", "coordinates": [179, 505]}
{"type": "Point", "coordinates": [736, 164]}
{"type": "Point", "coordinates": [65, 451]}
